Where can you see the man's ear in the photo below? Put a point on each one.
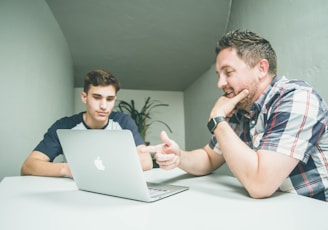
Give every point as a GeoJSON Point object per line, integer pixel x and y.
{"type": "Point", "coordinates": [84, 97]}
{"type": "Point", "coordinates": [263, 67]}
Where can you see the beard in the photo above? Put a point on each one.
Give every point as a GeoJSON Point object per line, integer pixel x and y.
{"type": "Point", "coordinates": [245, 103]}
{"type": "Point", "coordinates": [242, 106]}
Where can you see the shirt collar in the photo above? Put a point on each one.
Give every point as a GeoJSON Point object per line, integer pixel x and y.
{"type": "Point", "coordinates": [260, 102]}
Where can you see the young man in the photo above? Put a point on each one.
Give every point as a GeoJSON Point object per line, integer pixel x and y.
{"type": "Point", "coordinates": [99, 96]}
{"type": "Point", "coordinates": [270, 131]}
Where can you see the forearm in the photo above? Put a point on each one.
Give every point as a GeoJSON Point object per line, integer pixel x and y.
{"type": "Point", "coordinates": [197, 162]}
{"type": "Point", "coordinates": [261, 172]}
{"type": "Point", "coordinates": [38, 167]}
{"type": "Point", "coordinates": [145, 159]}
{"type": "Point", "coordinates": [241, 159]}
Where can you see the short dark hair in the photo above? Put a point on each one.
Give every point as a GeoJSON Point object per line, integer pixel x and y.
{"type": "Point", "coordinates": [250, 47]}
{"type": "Point", "coordinates": [100, 78]}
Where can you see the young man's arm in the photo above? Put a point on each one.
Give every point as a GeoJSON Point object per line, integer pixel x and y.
{"type": "Point", "coordinates": [145, 158]}
{"type": "Point", "coordinates": [38, 164]}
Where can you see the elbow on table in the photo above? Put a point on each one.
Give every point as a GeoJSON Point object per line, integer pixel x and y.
{"type": "Point", "coordinates": [24, 170]}
{"type": "Point", "coordinates": [260, 193]}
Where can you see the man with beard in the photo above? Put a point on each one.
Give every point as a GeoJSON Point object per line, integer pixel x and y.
{"type": "Point", "coordinates": [270, 131]}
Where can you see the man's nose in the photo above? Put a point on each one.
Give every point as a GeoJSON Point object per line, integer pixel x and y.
{"type": "Point", "coordinates": [103, 104]}
{"type": "Point", "coordinates": [222, 82]}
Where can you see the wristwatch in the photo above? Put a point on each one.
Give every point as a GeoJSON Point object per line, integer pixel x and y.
{"type": "Point", "coordinates": [211, 125]}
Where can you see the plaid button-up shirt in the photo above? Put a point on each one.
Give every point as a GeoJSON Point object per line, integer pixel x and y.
{"type": "Point", "coordinates": [289, 118]}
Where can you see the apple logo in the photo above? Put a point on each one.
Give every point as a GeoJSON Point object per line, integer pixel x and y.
{"type": "Point", "coordinates": [99, 164]}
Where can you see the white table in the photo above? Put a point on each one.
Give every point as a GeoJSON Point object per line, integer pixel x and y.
{"type": "Point", "coordinates": [215, 201]}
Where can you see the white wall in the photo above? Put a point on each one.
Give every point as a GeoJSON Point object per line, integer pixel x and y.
{"type": "Point", "coordinates": [36, 79]}
{"type": "Point", "coordinates": [199, 99]}
{"type": "Point", "coordinates": [173, 115]}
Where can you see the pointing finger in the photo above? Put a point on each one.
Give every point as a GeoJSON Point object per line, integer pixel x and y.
{"type": "Point", "coordinates": [150, 148]}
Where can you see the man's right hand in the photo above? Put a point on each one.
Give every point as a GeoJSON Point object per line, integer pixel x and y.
{"type": "Point", "coordinates": [167, 154]}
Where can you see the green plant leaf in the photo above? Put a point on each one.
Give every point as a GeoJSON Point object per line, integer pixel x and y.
{"type": "Point", "coordinates": [143, 117]}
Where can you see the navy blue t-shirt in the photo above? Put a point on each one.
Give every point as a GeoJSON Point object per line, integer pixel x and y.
{"type": "Point", "coordinates": [50, 144]}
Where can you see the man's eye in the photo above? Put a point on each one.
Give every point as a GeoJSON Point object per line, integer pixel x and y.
{"type": "Point", "coordinates": [228, 73]}
{"type": "Point", "coordinates": [110, 98]}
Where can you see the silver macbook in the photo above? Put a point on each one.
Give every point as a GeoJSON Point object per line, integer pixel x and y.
{"type": "Point", "coordinates": [107, 162]}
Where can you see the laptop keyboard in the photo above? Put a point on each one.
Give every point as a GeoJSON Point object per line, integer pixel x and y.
{"type": "Point", "coordinates": [156, 191]}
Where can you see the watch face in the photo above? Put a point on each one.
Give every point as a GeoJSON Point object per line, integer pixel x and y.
{"type": "Point", "coordinates": [211, 125]}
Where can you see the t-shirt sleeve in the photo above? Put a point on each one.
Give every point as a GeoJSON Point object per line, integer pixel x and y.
{"type": "Point", "coordinates": [50, 144]}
